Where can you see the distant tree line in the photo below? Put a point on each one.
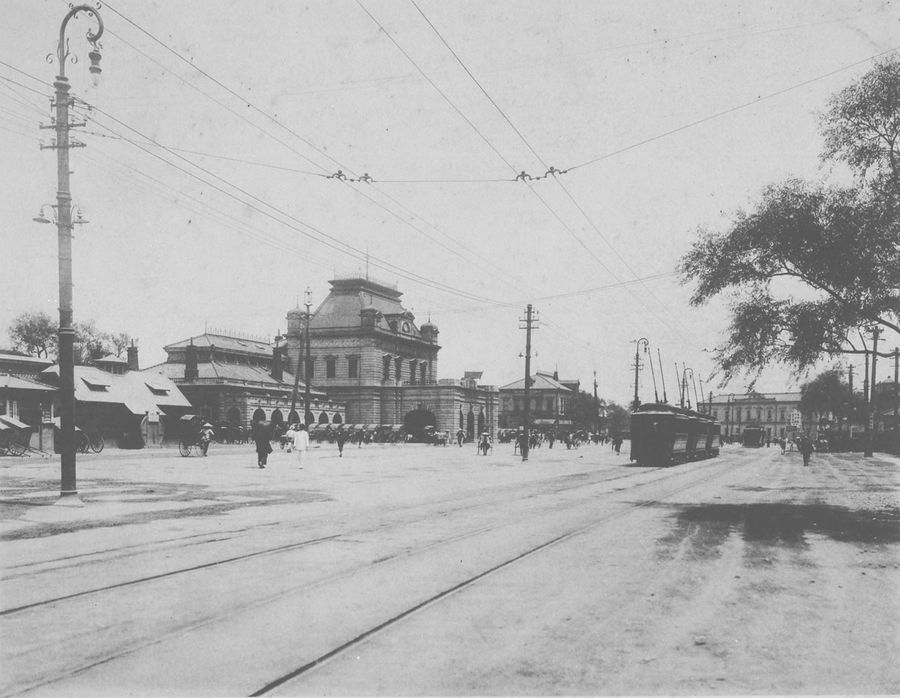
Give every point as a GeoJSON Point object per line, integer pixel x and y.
{"type": "Point", "coordinates": [36, 334]}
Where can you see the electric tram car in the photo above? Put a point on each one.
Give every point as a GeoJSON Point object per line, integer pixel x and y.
{"type": "Point", "coordinates": [753, 437]}
{"type": "Point", "coordinates": [664, 435]}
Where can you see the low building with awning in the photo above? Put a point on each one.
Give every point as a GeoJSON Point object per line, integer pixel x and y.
{"type": "Point", "coordinates": [129, 408]}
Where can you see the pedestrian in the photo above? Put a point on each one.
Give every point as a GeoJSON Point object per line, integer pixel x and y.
{"type": "Point", "coordinates": [300, 438]}
{"type": "Point", "coordinates": [617, 443]}
{"type": "Point", "coordinates": [805, 446]}
{"type": "Point", "coordinates": [263, 445]}
{"type": "Point", "coordinates": [341, 438]}
{"type": "Point", "coordinates": [206, 435]}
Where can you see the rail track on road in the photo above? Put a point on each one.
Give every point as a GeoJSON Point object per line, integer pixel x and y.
{"type": "Point", "coordinates": [700, 474]}
{"type": "Point", "coordinates": [538, 486]}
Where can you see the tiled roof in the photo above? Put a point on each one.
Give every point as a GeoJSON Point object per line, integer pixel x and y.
{"type": "Point", "coordinates": [341, 308]}
{"type": "Point", "coordinates": [219, 341]}
{"type": "Point", "coordinates": [539, 381]}
{"type": "Point", "coordinates": [235, 374]}
{"type": "Point", "coordinates": [130, 389]}
{"type": "Point", "coordinates": [15, 383]}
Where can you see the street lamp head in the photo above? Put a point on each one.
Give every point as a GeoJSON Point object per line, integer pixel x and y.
{"type": "Point", "coordinates": [94, 55]}
{"type": "Point", "coordinates": [41, 218]}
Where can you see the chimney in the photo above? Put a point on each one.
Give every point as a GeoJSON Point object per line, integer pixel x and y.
{"type": "Point", "coordinates": [556, 375]}
{"type": "Point", "coordinates": [276, 363]}
{"type": "Point", "coordinates": [133, 358]}
{"type": "Point", "coordinates": [190, 362]}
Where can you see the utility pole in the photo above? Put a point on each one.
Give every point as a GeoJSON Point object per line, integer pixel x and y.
{"type": "Point", "coordinates": [866, 404]}
{"type": "Point", "coordinates": [850, 410]}
{"type": "Point", "coordinates": [896, 365]}
{"type": "Point", "coordinates": [597, 407]}
{"type": "Point", "coordinates": [529, 321]}
{"type": "Point", "coordinates": [307, 372]}
{"type": "Point", "coordinates": [64, 225]}
{"type": "Point", "coordinates": [662, 378]}
{"type": "Point", "coordinates": [870, 423]}
{"type": "Point", "coordinates": [637, 367]}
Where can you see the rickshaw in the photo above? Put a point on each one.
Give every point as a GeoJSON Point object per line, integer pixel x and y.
{"type": "Point", "coordinates": [14, 436]}
{"type": "Point", "coordinates": [195, 435]}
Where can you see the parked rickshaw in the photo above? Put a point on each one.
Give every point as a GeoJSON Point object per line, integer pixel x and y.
{"type": "Point", "coordinates": [195, 435]}
{"type": "Point", "coordinates": [14, 436]}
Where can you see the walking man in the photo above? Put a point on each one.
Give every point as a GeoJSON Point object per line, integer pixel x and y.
{"type": "Point", "coordinates": [805, 446]}
{"type": "Point", "coordinates": [263, 446]}
{"type": "Point", "coordinates": [340, 438]}
{"type": "Point", "coordinates": [301, 443]}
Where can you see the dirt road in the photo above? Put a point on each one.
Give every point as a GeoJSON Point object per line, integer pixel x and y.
{"type": "Point", "coordinates": [416, 570]}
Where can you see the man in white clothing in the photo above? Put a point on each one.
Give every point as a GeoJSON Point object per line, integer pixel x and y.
{"type": "Point", "coordinates": [301, 443]}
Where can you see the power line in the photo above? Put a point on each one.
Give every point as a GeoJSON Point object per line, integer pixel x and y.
{"type": "Point", "coordinates": [338, 175]}
{"type": "Point", "coordinates": [551, 169]}
{"type": "Point", "coordinates": [323, 237]}
{"type": "Point", "coordinates": [731, 110]}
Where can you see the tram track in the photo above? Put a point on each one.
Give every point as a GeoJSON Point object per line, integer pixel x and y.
{"type": "Point", "coordinates": [701, 476]}
{"type": "Point", "coordinates": [299, 544]}
{"type": "Point", "coordinates": [461, 586]}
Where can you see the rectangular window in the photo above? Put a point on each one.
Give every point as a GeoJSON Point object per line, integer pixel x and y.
{"type": "Point", "coordinates": [386, 374]}
{"type": "Point", "coordinates": [412, 372]}
{"type": "Point", "coordinates": [423, 368]}
{"type": "Point", "coordinates": [398, 368]}
{"type": "Point", "coordinates": [353, 368]}
{"type": "Point", "coordinates": [330, 365]}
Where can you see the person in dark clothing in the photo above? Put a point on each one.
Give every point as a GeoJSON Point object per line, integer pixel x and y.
{"type": "Point", "coordinates": [341, 438]}
{"type": "Point", "coordinates": [617, 443]}
{"type": "Point", "coordinates": [263, 445]}
{"type": "Point", "coordinates": [805, 446]}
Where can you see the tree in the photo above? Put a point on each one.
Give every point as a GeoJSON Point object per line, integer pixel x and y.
{"type": "Point", "coordinates": [827, 392]}
{"type": "Point", "coordinates": [35, 334]}
{"type": "Point", "coordinates": [618, 418]}
{"type": "Point", "coordinates": [839, 245]}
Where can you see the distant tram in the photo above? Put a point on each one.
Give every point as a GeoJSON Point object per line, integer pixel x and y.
{"type": "Point", "coordinates": [664, 435]}
{"type": "Point", "coordinates": [754, 437]}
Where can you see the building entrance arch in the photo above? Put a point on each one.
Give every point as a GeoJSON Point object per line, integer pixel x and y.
{"type": "Point", "coordinates": [259, 415]}
{"type": "Point", "coordinates": [470, 426]}
{"type": "Point", "coordinates": [277, 419]}
{"type": "Point", "coordinates": [233, 416]}
{"type": "Point", "coordinates": [416, 421]}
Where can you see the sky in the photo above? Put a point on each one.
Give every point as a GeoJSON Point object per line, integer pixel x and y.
{"type": "Point", "coordinates": [216, 124]}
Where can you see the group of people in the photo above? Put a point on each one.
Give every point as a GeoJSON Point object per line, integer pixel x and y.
{"type": "Point", "coordinates": [297, 437]}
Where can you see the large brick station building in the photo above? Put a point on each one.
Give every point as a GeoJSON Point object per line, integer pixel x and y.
{"type": "Point", "coordinates": [367, 352]}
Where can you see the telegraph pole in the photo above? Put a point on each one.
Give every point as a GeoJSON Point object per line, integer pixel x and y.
{"type": "Point", "coordinates": [529, 321]}
{"type": "Point", "coordinates": [637, 367]}
{"type": "Point", "coordinates": [306, 369]}
{"type": "Point", "coordinates": [596, 407]}
{"type": "Point", "coordinates": [896, 366]}
{"type": "Point", "coordinates": [870, 421]}
{"type": "Point", "coordinates": [64, 225]}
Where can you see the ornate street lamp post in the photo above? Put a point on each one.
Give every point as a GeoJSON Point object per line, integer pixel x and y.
{"type": "Point", "coordinates": [637, 367]}
{"type": "Point", "coordinates": [68, 489]}
{"type": "Point", "coordinates": [307, 372]}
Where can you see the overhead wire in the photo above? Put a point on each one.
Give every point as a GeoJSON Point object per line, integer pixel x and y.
{"type": "Point", "coordinates": [454, 248]}
{"type": "Point", "coordinates": [299, 225]}
{"type": "Point", "coordinates": [527, 144]}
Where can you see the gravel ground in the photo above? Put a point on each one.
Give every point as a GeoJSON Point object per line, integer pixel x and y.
{"type": "Point", "coordinates": [416, 570]}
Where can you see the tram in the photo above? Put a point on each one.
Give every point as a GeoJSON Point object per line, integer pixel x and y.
{"type": "Point", "coordinates": [754, 437]}
{"type": "Point", "coordinates": [664, 435]}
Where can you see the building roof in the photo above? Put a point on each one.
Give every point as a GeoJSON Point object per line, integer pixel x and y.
{"type": "Point", "coordinates": [14, 357]}
{"type": "Point", "coordinates": [10, 382]}
{"type": "Point", "coordinates": [342, 307]}
{"type": "Point", "coordinates": [238, 345]}
{"type": "Point", "coordinates": [539, 381]}
{"type": "Point", "coordinates": [131, 389]}
{"type": "Point", "coordinates": [750, 397]}
{"type": "Point", "coordinates": [230, 374]}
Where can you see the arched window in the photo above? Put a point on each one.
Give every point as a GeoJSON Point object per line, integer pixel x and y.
{"type": "Point", "coordinates": [337, 418]}
{"type": "Point", "coordinates": [293, 417]}
{"type": "Point", "coordinates": [323, 418]}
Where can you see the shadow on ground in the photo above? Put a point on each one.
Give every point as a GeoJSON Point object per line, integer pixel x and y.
{"type": "Point", "coordinates": [700, 530]}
